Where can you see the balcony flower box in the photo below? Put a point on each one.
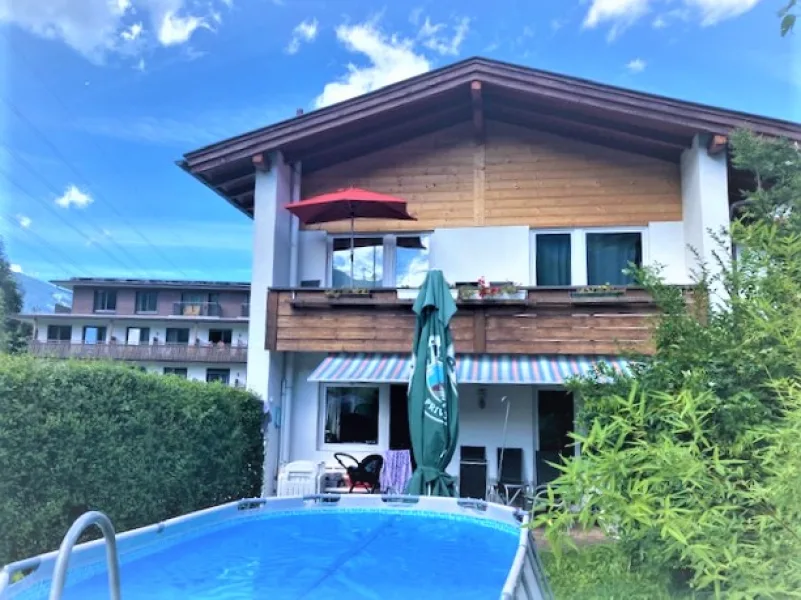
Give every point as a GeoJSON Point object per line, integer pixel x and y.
{"type": "Point", "coordinates": [348, 294]}
{"type": "Point", "coordinates": [597, 291]}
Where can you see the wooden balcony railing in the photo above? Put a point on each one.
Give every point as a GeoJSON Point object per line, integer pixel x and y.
{"type": "Point", "coordinates": [536, 321]}
{"type": "Point", "coordinates": [217, 353]}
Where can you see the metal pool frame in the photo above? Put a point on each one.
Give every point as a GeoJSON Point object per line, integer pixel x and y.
{"type": "Point", "coordinates": [526, 579]}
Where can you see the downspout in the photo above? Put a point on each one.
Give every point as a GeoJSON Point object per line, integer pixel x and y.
{"type": "Point", "coordinates": [289, 358]}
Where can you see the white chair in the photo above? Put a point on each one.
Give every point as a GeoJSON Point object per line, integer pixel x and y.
{"type": "Point", "coordinates": [300, 478]}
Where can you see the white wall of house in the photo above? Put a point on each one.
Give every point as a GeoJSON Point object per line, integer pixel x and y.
{"type": "Point", "coordinates": [467, 253]}
{"type": "Point", "coordinates": [705, 201]}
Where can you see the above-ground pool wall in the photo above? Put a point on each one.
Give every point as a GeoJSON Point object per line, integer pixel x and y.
{"type": "Point", "coordinates": [478, 426]}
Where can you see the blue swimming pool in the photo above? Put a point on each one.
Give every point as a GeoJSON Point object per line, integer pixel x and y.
{"type": "Point", "coordinates": [288, 550]}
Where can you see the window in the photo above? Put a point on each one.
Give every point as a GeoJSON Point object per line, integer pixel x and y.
{"type": "Point", "coordinates": [379, 260]}
{"type": "Point", "coordinates": [105, 301]}
{"type": "Point", "coordinates": [351, 415]}
{"type": "Point", "coordinates": [411, 260]}
{"type": "Point", "coordinates": [177, 371]}
{"type": "Point", "coordinates": [175, 335]}
{"type": "Point", "coordinates": [59, 333]}
{"type": "Point", "coordinates": [217, 336]}
{"type": "Point", "coordinates": [554, 266]}
{"type": "Point", "coordinates": [221, 375]}
{"type": "Point", "coordinates": [368, 262]}
{"type": "Point", "coordinates": [586, 256]}
{"type": "Point", "coordinates": [608, 254]}
{"type": "Point", "coordinates": [137, 335]}
{"type": "Point", "coordinates": [199, 304]}
{"type": "Point", "coordinates": [146, 302]}
{"type": "Point", "coordinates": [94, 335]}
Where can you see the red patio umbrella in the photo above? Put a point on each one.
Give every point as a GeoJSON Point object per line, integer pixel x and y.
{"type": "Point", "coordinates": [351, 203]}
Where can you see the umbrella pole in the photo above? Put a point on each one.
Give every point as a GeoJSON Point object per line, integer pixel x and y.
{"type": "Point", "coordinates": [352, 218]}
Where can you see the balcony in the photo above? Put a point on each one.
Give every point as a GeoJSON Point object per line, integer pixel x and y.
{"type": "Point", "coordinates": [197, 309]}
{"type": "Point", "coordinates": [534, 321]}
{"type": "Point", "coordinates": [245, 310]}
{"type": "Point", "coordinates": [179, 353]}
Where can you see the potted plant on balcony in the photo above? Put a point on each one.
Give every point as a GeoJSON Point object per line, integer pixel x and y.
{"type": "Point", "coordinates": [598, 291]}
{"type": "Point", "coordinates": [336, 294]}
{"type": "Point", "coordinates": [483, 291]}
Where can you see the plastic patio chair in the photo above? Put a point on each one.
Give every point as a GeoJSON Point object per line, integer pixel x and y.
{"type": "Point", "coordinates": [366, 473]}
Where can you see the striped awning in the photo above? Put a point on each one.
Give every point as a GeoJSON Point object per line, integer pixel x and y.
{"type": "Point", "coordinates": [470, 368]}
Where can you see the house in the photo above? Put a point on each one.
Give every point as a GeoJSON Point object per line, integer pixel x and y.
{"type": "Point", "coordinates": [192, 329]}
{"type": "Point", "coordinates": [514, 175]}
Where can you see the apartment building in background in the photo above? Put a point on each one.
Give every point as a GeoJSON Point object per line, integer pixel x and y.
{"type": "Point", "coordinates": [192, 329]}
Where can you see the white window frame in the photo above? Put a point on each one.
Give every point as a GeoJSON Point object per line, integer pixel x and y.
{"type": "Point", "coordinates": [390, 247]}
{"type": "Point", "coordinates": [383, 419]}
{"type": "Point", "coordinates": [578, 249]}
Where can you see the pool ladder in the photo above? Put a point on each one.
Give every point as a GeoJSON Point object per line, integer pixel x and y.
{"type": "Point", "coordinates": [71, 538]}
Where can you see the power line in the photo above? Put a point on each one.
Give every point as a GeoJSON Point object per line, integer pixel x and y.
{"type": "Point", "coordinates": [61, 262]}
{"type": "Point", "coordinates": [50, 209]}
{"type": "Point", "coordinates": [78, 174]}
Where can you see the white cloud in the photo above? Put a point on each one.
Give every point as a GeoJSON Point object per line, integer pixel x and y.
{"type": "Point", "coordinates": [176, 29]}
{"type": "Point", "coordinates": [305, 31]}
{"type": "Point", "coordinates": [74, 197]}
{"type": "Point", "coordinates": [621, 14]}
{"type": "Point", "coordinates": [434, 36]}
{"type": "Point", "coordinates": [140, 66]}
{"type": "Point", "coordinates": [390, 59]}
{"type": "Point", "coordinates": [557, 24]}
{"type": "Point", "coordinates": [714, 11]}
{"type": "Point", "coordinates": [15, 268]}
{"type": "Point", "coordinates": [24, 221]}
{"type": "Point", "coordinates": [132, 33]}
{"type": "Point", "coordinates": [636, 66]}
{"type": "Point", "coordinates": [95, 28]}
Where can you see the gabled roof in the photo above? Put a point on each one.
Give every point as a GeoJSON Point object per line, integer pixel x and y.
{"type": "Point", "coordinates": [596, 112]}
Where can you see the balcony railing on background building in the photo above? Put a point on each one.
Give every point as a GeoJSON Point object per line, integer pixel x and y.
{"type": "Point", "coordinates": [197, 309]}
{"type": "Point", "coordinates": [246, 309]}
{"type": "Point", "coordinates": [210, 353]}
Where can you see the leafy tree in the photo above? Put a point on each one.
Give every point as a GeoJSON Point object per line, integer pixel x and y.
{"type": "Point", "coordinates": [692, 460]}
{"type": "Point", "coordinates": [13, 333]}
{"type": "Point", "coordinates": [788, 16]}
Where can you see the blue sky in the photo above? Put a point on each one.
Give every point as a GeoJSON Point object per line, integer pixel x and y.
{"type": "Point", "coordinates": [100, 97]}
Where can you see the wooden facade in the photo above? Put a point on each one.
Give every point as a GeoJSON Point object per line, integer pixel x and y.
{"type": "Point", "coordinates": [546, 321]}
{"type": "Point", "coordinates": [514, 176]}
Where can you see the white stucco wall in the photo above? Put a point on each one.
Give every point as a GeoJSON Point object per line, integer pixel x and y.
{"type": "Point", "coordinates": [666, 247]}
{"type": "Point", "coordinates": [313, 256]}
{"type": "Point", "coordinates": [705, 201]}
{"type": "Point", "coordinates": [197, 371]}
{"type": "Point", "coordinates": [467, 253]}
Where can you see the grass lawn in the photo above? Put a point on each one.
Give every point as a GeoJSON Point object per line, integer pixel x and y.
{"type": "Point", "coordinates": [601, 572]}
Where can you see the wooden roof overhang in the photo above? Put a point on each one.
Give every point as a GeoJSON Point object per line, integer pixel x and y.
{"type": "Point", "coordinates": [475, 89]}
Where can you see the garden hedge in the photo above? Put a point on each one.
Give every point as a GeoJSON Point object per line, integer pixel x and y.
{"type": "Point", "coordinates": [77, 436]}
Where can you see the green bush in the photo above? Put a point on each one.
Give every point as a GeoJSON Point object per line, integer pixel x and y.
{"type": "Point", "coordinates": [693, 461]}
{"type": "Point", "coordinates": [77, 436]}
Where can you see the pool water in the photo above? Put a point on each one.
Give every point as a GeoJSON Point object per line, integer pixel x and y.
{"type": "Point", "coordinates": [354, 554]}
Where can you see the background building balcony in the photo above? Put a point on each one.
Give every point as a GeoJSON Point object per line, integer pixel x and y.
{"type": "Point", "coordinates": [180, 353]}
{"type": "Point", "coordinates": [197, 309]}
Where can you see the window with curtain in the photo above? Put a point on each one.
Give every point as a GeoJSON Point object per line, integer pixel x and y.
{"type": "Point", "coordinates": [608, 254]}
{"type": "Point", "coordinates": [368, 262]}
{"type": "Point", "coordinates": [351, 415]}
{"type": "Point", "coordinates": [553, 258]}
